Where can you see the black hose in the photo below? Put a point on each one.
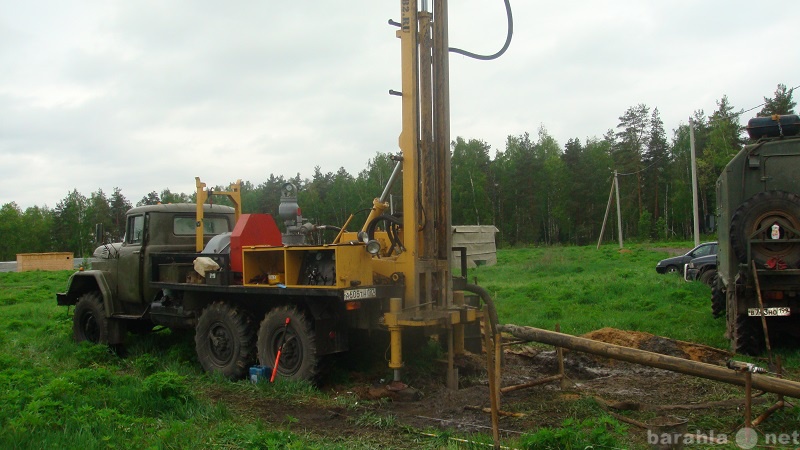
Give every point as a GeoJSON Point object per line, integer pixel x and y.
{"type": "Point", "coordinates": [394, 239]}
{"type": "Point", "coordinates": [487, 299]}
{"type": "Point", "coordinates": [390, 231]}
{"type": "Point", "coordinates": [502, 50]}
{"type": "Point", "coordinates": [383, 217]}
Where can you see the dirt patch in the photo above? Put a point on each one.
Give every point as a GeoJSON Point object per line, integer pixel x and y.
{"type": "Point", "coordinates": [671, 251]}
{"type": "Point", "coordinates": [662, 345]}
{"type": "Point", "coordinates": [591, 385]}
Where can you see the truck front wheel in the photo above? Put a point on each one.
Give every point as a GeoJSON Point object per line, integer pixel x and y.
{"type": "Point", "coordinates": [298, 359]}
{"type": "Point", "coordinates": [89, 323]}
{"type": "Point", "coordinates": [224, 340]}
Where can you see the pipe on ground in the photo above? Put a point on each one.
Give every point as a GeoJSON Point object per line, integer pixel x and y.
{"type": "Point", "coordinates": [645, 358]}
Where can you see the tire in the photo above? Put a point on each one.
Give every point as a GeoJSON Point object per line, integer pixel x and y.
{"type": "Point", "coordinates": [708, 277]}
{"type": "Point", "coordinates": [748, 336]}
{"type": "Point", "coordinates": [89, 323]}
{"type": "Point", "coordinates": [224, 341]}
{"type": "Point", "coordinates": [671, 269]}
{"type": "Point", "coordinates": [718, 299]}
{"type": "Point", "coordinates": [762, 210]}
{"type": "Point", "coordinates": [299, 360]}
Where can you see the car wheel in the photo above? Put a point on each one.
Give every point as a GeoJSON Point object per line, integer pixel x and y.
{"type": "Point", "coordinates": [671, 269]}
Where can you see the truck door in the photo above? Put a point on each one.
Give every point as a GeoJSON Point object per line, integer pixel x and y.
{"type": "Point", "coordinates": [130, 265]}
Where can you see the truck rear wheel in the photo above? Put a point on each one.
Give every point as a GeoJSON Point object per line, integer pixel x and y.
{"type": "Point", "coordinates": [708, 277]}
{"type": "Point", "coordinates": [89, 323]}
{"type": "Point", "coordinates": [763, 210]}
{"type": "Point", "coordinates": [748, 336]}
{"type": "Point", "coordinates": [299, 355]}
{"type": "Point", "coordinates": [718, 300]}
{"type": "Point", "coordinates": [224, 340]}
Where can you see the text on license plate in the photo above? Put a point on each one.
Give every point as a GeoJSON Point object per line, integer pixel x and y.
{"type": "Point", "coordinates": [358, 294]}
{"type": "Point", "coordinates": [769, 312]}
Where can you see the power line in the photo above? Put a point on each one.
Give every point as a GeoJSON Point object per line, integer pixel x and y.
{"type": "Point", "coordinates": [758, 106]}
{"type": "Point", "coordinates": [735, 115]}
{"type": "Point", "coordinates": [640, 170]}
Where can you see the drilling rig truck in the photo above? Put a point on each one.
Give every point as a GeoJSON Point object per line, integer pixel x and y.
{"type": "Point", "coordinates": [249, 290]}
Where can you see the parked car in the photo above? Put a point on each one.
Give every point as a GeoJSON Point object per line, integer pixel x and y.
{"type": "Point", "coordinates": [676, 263]}
{"type": "Point", "coordinates": [703, 268]}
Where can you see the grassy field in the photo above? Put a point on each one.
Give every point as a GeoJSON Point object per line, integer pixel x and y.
{"type": "Point", "coordinates": [585, 289]}
{"type": "Point", "coordinates": [58, 394]}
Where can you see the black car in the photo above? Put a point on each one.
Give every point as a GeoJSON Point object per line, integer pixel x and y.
{"type": "Point", "coordinates": [703, 268]}
{"type": "Point", "coordinates": [676, 263]}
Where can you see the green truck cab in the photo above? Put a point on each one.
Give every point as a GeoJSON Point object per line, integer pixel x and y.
{"type": "Point", "coordinates": [116, 295]}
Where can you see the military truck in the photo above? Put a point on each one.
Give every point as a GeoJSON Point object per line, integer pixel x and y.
{"type": "Point", "coordinates": [758, 208]}
{"type": "Point", "coordinates": [157, 277]}
{"type": "Point", "coordinates": [248, 290]}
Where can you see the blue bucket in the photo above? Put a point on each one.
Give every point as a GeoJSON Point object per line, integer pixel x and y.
{"type": "Point", "coordinates": [260, 373]}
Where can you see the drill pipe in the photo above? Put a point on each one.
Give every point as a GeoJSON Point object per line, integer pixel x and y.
{"type": "Point", "coordinates": [645, 358]}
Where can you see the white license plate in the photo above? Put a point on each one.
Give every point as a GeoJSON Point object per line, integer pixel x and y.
{"type": "Point", "coordinates": [769, 312]}
{"type": "Point", "coordinates": [358, 294]}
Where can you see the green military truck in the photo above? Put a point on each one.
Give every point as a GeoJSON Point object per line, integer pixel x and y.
{"type": "Point", "coordinates": [152, 279]}
{"type": "Point", "coordinates": [758, 210]}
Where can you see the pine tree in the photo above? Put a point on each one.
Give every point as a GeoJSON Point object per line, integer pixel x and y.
{"type": "Point", "coordinates": [781, 103]}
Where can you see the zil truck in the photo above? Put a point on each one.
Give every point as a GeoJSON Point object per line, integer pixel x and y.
{"type": "Point", "coordinates": [758, 208]}
{"type": "Point", "coordinates": [246, 288]}
{"type": "Point", "coordinates": [250, 291]}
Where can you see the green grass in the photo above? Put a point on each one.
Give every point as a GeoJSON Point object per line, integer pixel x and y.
{"type": "Point", "coordinates": [584, 289]}
{"type": "Point", "coordinates": [58, 394]}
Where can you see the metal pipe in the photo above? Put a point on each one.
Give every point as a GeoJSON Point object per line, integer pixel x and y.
{"type": "Point", "coordinates": [392, 179]}
{"type": "Point", "coordinates": [645, 358]}
{"type": "Point", "coordinates": [487, 299]}
{"type": "Point", "coordinates": [395, 340]}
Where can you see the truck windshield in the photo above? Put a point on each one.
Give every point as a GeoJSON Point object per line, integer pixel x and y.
{"type": "Point", "coordinates": [211, 225]}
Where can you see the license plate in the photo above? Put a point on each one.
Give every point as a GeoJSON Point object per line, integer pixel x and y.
{"type": "Point", "coordinates": [358, 294]}
{"type": "Point", "coordinates": [769, 312]}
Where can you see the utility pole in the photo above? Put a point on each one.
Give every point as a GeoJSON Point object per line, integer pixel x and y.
{"type": "Point", "coordinates": [605, 217]}
{"type": "Point", "coordinates": [694, 185]}
{"type": "Point", "coordinates": [619, 210]}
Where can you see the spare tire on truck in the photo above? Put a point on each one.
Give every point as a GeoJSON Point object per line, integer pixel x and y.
{"type": "Point", "coordinates": [761, 213]}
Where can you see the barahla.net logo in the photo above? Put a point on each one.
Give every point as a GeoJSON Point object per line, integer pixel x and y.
{"type": "Point", "coordinates": [746, 438]}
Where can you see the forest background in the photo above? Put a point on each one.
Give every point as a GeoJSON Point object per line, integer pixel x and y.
{"type": "Point", "coordinates": [534, 191]}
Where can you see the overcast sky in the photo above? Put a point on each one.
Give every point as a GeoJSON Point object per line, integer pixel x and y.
{"type": "Point", "coordinates": [146, 95]}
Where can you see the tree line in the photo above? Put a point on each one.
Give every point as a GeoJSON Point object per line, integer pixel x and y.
{"type": "Point", "coordinates": [534, 190]}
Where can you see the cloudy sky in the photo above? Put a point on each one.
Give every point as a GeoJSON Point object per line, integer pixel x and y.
{"type": "Point", "coordinates": [146, 95]}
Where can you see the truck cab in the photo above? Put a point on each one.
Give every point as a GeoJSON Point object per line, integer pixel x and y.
{"type": "Point", "coordinates": [120, 271]}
